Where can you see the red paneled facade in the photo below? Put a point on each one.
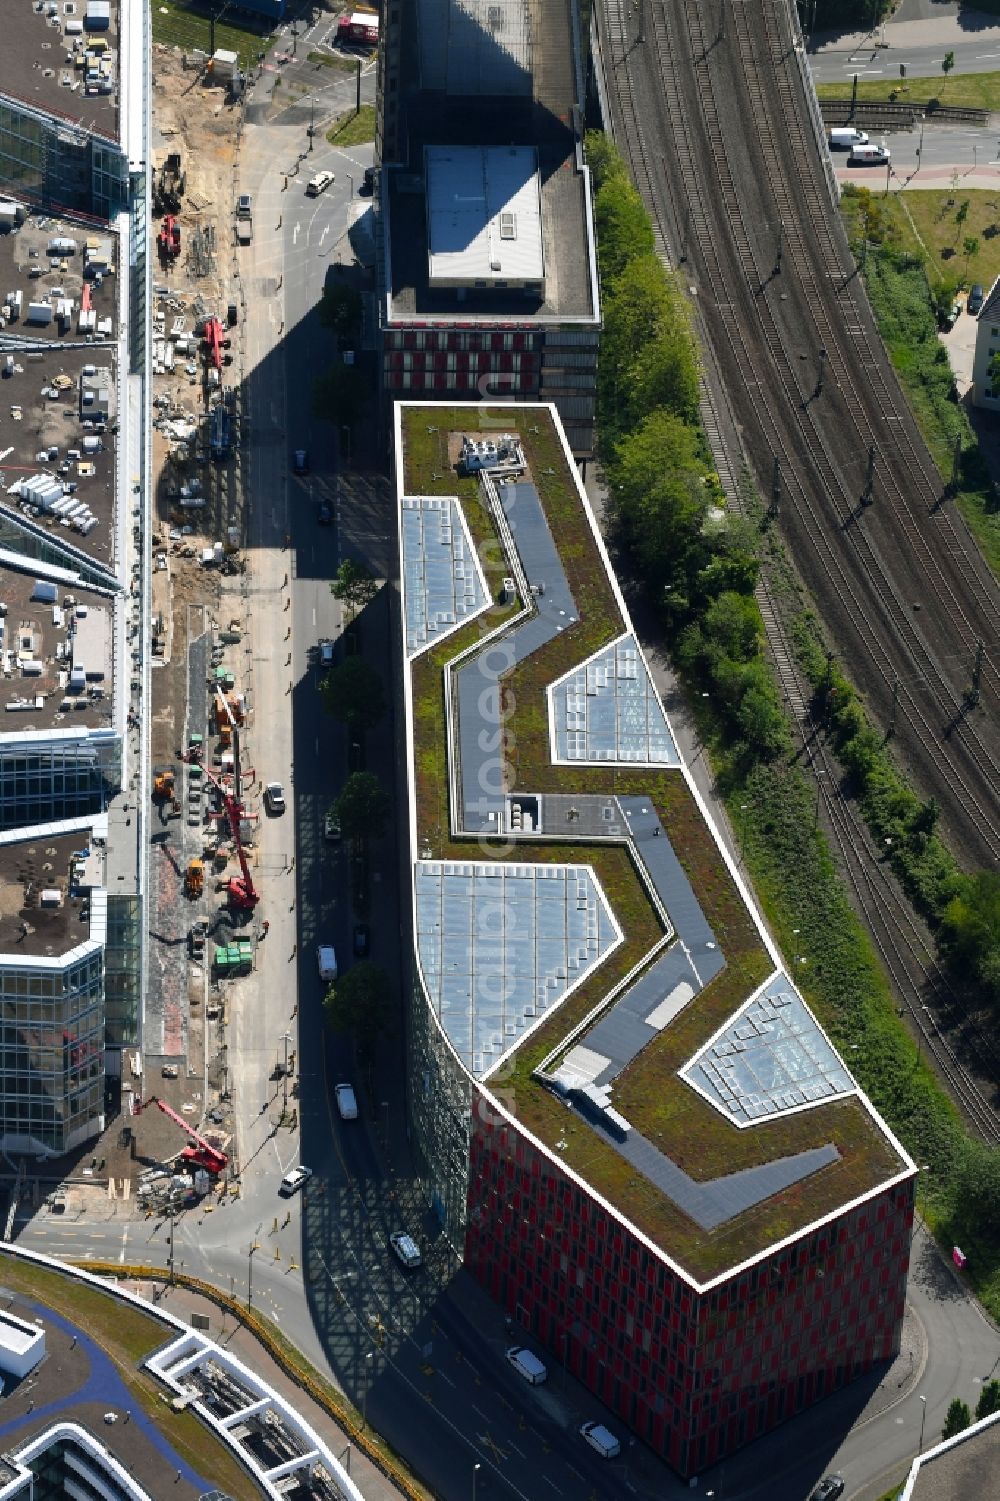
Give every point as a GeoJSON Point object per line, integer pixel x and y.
{"type": "Point", "coordinates": [461, 362]}
{"type": "Point", "coordinates": [695, 1373]}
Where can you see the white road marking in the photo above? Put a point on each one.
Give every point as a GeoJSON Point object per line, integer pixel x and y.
{"type": "Point", "coordinates": [295, 235]}
{"type": "Point", "coordinates": [452, 1385]}
{"type": "Point", "coordinates": [317, 745]}
{"type": "Point", "coordinates": [553, 1485]}
{"type": "Point", "coordinates": [314, 617]}
{"type": "Point", "coordinates": [325, 232]}
{"type": "Point", "coordinates": [480, 1412]}
{"type": "Point", "coordinates": [121, 1256]}
{"type": "Point", "coordinates": [512, 1445]}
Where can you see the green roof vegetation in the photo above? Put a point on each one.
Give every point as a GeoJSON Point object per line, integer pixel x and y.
{"type": "Point", "coordinates": [649, 1093]}
{"type": "Point", "coordinates": [128, 1337]}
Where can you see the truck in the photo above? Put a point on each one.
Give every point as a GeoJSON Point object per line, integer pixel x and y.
{"type": "Point", "coordinates": [244, 229]}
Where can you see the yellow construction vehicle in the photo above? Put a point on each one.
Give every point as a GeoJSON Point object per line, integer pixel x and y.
{"type": "Point", "coordinates": [164, 778]}
{"type": "Point", "coordinates": [194, 878]}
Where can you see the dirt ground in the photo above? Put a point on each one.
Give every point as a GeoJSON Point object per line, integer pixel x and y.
{"type": "Point", "coordinates": [199, 511]}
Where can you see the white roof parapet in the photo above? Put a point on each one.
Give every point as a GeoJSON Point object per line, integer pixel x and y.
{"type": "Point", "coordinates": [290, 1466]}
{"type": "Point", "coordinates": [251, 1411]}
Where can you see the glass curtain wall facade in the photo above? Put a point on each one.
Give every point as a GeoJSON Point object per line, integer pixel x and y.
{"type": "Point", "coordinates": [123, 971]}
{"type": "Point", "coordinates": [58, 164]}
{"type": "Point", "coordinates": [440, 1112]}
{"type": "Point", "coordinates": [44, 782]}
{"type": "Point", "coordinates": [51, 1052]}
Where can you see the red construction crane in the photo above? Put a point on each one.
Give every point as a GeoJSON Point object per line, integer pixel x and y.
{"type": "Point", "coordinates": [241, 889]}
{"type": "Point", "coordinates": [198, 1152]}
{"type": "Point", "coordinates": [214, 342]}
{"type": "Point", "coordinates": [169, 238]}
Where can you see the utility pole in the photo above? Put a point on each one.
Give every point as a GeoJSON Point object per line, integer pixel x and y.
{"type": "Point", "coordinates": [854, 97]}
{"type": "Point", "coordinates": [171, 1258]}
{"type": "Point", "coordinates": [781, 246]}
{"type": "Point", "coordinates": [869, 491]}
{"type": "Point", "coordinates": [956, 464]}
{"type": "Point", "coordinates": [822, 371]}
{"type": "Point", "coordinates": [895, 705]}
{"type": "Point", "coordinates": [977, 676]}
{"type": "Point", "coordinates": [284, 1078]}
{"type": "Point", "coordinates": [357, 102]}
{"type": "Point", "coordinates": [776, 486]}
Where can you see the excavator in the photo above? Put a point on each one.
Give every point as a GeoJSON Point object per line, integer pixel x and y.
{"type": "Point", "coordinates": [198, 1152]}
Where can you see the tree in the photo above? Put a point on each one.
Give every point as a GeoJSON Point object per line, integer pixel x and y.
{"type": "Point", "coordinates": [354, 586]}
{"type": "Point", "coordinates": [340, 310]}
{"type": "Point", "coordinates": [338, 394]}
{"type": "Point", "coordinates": [989, 1400]}
{"type": "Point", "coordinates": [971, 247]}
{"type": "Point", "coordinates": [947, 63]}
{"type": "Point", "coordinates": [962, 212]}
{"type": "Point", "coordinates": [660, 502]}
{"type": "Point", "coordinates": [357, 1004]}
{"type": "Point", "coordinates": [363, 806]}
{"type": "Point", "coordinates": [959, 1417]}
{"type": "Point", "coordinates": [352, 693]}
{"type": "Point", "coordinates": [970, 931]}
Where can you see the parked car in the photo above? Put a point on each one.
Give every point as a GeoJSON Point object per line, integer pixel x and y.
{"type": "Point", "coordinates": [324, 513]}
{"type": "Point", "coordinates": [300, 461]}
{"type": "Point", "coordinates": [975, 301]}
{"type": "Point", "coordinates": [293, 1180]}
{"type": "Point", "coordinates": [406, 1248]}
{"type": "Point", "coordinates": [244, 206]}
{"type": "Point", "coordinates": [274, 798]}
{"type": "Point", "coordinates": [362, 940]}
{"type": "Point", "coordinates": [948, 319]}
{"type": "Point", "coordinates": [828, 1489]}
{"type": "Point", "coordinates": [527, 1364]}
{"type": "Point", "coordinates": [331, 828]}
{"type": "Point", "coordinates": [601, 1439]}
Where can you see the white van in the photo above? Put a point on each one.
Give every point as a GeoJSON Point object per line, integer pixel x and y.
{"type": "Point", "coordinates": [527, 1365]}
{"type": "Point", "coordinates": [846, 137]}
{"type": "Point", "coordinates": [318, 184]}
{"type": "Point", "coordinates": [601, 1439]}
{"type": "Point", "coordinates": [347, 1102]}
{"type": "Point", "coordinates": [326, 962]}
{"type": "Point", "coordinates": [868, 156]}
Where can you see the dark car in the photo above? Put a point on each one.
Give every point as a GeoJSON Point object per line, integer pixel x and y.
{"type": "Point", "coordinates": [362, 940]}
{"type": "Point", "coordinates": [324, 514]}
{"type": "Point", "coordinates": [300, 461]}
{"type": "Point", "coordinates": [829, 1488]}
{"type": "Point", "coordinates": [975, 301]}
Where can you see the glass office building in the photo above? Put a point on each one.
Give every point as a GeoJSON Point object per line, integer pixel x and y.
{"type": "Point", "coordinates": [65, 775]}
{"type": "Point", "coordinates": [58, 164]}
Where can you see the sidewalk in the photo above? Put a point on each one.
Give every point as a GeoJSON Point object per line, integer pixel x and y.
{"type": "Point", "coordinates": [934, 30]}
{"type": "Point", "coordinates": [183, 1303]}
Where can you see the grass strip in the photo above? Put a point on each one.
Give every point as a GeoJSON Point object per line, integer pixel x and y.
{"type": "Point", "coordinates": [356, 128]}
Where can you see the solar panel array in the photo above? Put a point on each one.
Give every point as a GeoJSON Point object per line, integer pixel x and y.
{"type": "Point", "coordinates": [501, 944]}
{"type": "Point", "coordinates": [606, 710]}
{"type": "Point", "coordinates": [443, 582]}
{"type": "Point", "coordinates": [771, 1059]}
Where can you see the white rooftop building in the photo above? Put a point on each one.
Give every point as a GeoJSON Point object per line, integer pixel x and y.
{"type": "Point", "coordinates": [484, 217]}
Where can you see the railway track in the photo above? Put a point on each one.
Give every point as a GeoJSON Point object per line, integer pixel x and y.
{"type": "Point", "coordinates": [685, 197]}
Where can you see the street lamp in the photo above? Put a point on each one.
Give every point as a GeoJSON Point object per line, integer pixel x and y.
{"type": "Point", "coordinates": [286, 1039]}
{"type": "Point", "coordinates": [253, 1247]}
{"type": "Point", "coordinates": [368, 1377]}
{"type": "Point", "coordinates": [385, 1119]}
{"type": "Point", "coordinates": [475, 1472]}
{"type": "Point", "coordinates": [923, 1419]}
{"type": "Point", "coordinates": [344, 428]}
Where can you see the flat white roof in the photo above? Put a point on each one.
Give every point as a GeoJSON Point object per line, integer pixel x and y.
{"type": "Point", "coordinates": [484, 218]}
{"type": "Point", "coordinates": [18, 1336]}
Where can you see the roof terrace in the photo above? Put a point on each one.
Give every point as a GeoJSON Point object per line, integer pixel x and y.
{"type": "Point", "coordinates": [57, 657]}
{"type": "Point", "coordinates": [634, 983]}
{"type": "Point", "coordinates": [44, 884]}
{"type": "Point", "coordinates": [54, 59]}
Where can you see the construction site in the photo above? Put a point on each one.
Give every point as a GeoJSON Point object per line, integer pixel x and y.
{"type": "Point", "coordinates": [202, 846]}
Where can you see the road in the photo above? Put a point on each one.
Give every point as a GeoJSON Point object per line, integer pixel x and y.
{"type": "Point", "coordinates": [920, 45]}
